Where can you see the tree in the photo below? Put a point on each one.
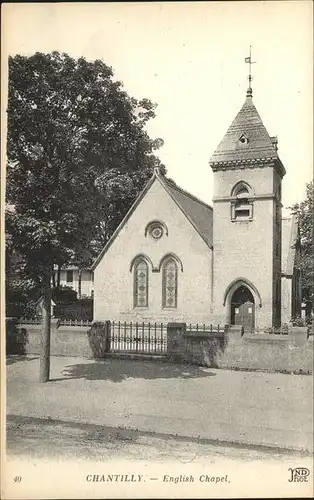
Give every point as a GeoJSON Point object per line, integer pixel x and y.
{"type": "Point", "coordinates": [21, 293]}
{"type": "Point", "coordinates": [305, 215]}
{"type": "Point", "coordinates": [78, 154]}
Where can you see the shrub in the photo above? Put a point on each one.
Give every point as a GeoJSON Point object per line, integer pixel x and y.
{"type": "Point", "coordinates": [285, 328]}
{"type": "Point", "coordinates": [99, 339]}
{"type": "Point", "coordinates": [78, 310]}
{"type": "Point", "coordinates": [277, 330]}
{"type": "Point", "coordinates": [298, 321]}
{"type": "Point", "coordinates": [16, 338]}
{"type": "Point", "coordinates": [21, 298]}
{"type": "Point", "coordinates": [64, 295]}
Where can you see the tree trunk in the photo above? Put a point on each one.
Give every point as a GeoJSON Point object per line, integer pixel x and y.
{"type": "Point", "coordinates": [58, 276]}
{"type": "Point", "coordinates": [80, 283]}
{"type": "Point", "coordinates": [44, 370]}
{"type": "Point", "coordinates": [54, 279]}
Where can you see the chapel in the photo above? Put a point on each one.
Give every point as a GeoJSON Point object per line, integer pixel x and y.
{"type": "Point", "coordinates": [174, 258]}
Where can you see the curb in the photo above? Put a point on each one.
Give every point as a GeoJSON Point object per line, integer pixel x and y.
{"type": "Point", "coordinates": [108, 430]}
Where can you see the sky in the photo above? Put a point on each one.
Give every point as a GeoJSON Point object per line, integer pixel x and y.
{"type": "Point", "coordinates": [188, 57]}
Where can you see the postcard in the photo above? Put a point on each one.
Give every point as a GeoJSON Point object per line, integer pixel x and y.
{"type": "Point", "coordinates": [157, 250]}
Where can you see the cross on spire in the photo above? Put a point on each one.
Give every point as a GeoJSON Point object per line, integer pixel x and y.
{"type": "Point", "coordinates": [248, 60]}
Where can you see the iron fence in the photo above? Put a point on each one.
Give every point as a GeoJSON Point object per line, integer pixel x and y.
{"type": "Point", "coordinates": [141, 338]}
{"type": "Point", "coordinates": [203, 328]}
{"type": "Point", "coordinates": [75, 322]}
{"type": "Point", "coordinates": [30, 321]}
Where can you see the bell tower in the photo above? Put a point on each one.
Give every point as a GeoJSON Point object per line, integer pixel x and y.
{"type": "Point", "coordinates": [247, 222]}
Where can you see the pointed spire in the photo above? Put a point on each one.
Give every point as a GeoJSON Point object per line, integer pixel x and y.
{"type": "Point", "coordinates": [246, 140]}
{"type": "Point", "coordinates": [247, 143]}
{"type": "Point", "coordinates": [249, 92]}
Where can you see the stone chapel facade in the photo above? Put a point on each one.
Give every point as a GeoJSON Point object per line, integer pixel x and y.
{"type": "Point", "coordinates": [175, 258]}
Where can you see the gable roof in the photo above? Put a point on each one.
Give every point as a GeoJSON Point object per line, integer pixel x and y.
{"type": "Point", "coordinates": [199, 214]}
{"type": "Point", "coordinates": [289, 235]}
{"type": "Point", "coordinates": [257, 145]}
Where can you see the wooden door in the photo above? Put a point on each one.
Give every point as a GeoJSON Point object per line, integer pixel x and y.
{"type": "Point", "coordinates": [244, 315]}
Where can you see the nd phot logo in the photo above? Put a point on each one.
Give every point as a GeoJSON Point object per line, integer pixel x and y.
{"type": "Point", "coordinates": [299, 475]}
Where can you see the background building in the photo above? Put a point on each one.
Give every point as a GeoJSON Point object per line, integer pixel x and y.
{"type": "Point", "coordinates": [175, 258]}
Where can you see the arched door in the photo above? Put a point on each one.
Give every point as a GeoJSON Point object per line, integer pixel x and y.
{"type": "Point", "coordinates": [243, 308]}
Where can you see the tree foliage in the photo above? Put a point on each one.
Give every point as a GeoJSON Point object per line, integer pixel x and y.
{"type": "Point", "coordinates": [305, 215]}
{"type": "Point", "coordinates": [78, 155]}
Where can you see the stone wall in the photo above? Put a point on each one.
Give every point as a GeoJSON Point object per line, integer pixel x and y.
{"type": "Point", "coordinates": [226, 349]}
{"type": "Point", "coordinates": [65, 340]}
{"type": "Point", "coordinates": [231, 350]}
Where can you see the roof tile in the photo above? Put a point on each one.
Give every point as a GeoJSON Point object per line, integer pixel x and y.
{"type": "Point", "coordinates": [198, 212]}
{"type": "Point", "coordinates": [256, 144]}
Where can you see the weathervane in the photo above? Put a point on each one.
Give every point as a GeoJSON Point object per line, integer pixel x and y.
{"type": "Point", "coordinates": [248, 60]}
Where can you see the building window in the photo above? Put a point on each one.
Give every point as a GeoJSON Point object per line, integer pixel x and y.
{"type": "Point", "coordinates": [241, 205]}
{"type": "Point", "coordinates": [242, 209]}
{"type": "Point", "coordinates": [169, 283]}
{"type": "Point", "coordinates": [156, 232]}
{"type": "Point", "coordinates": [141, 284]}
{"type": "Point", "coordinates": [155, 229]}
{"type": "Point", "coordinates": [243, 139]}
{"type": "Point", "coordinates": [69, 276]}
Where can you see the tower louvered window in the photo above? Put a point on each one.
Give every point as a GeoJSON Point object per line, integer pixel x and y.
{"type": "Point", "coordinates": [169, 283]}
{"type": "Point", "coordinates": [141, 284]}
{"type": "Point", "coordinates": [242, 205]}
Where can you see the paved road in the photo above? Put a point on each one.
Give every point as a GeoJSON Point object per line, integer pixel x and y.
{"type": "Point", "coordinates": [40, 438]}
{"type": "Point", "coordinates": [230, 406]}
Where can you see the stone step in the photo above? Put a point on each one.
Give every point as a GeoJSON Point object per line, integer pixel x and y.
{"type": "Point", "coordinates": [137, 356]}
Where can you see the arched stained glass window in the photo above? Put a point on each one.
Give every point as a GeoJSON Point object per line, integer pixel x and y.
{"type": "Point", "coordinates": [169, 283]}
{"type": "Point", "coordinates": [141, 284]}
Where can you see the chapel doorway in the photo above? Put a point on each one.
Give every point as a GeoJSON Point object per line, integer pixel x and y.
{"type": "Point", "coordinates": [243, 308]}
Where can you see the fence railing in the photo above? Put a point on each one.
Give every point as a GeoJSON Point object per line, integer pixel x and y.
{"type": "Point", "coordinates": [203, 328]}
{"type": "Point", "coordinates": [145, 338]}
{"type": "Point", "coordinates": [75, 322]}
{"type": "Point", "coordinates": [30, 321]}
{"type": "Point", "coordinates": [60, 322]}
{"type": "Point", "coordinates": [152, 337]}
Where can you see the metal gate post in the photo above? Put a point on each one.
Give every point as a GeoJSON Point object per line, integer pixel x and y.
{"type": "Point", "coordinates": [107, 335]}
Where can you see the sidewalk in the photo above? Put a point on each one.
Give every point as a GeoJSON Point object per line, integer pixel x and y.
{"type": "Point", "coordinates": [231, 406]}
